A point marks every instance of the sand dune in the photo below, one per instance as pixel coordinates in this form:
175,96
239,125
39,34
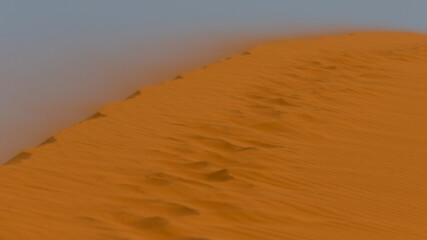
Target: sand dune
316,138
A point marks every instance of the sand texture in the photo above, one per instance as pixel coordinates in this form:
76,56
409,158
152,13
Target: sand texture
321,138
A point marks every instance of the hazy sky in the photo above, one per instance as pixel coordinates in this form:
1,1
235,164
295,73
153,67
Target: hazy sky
29,23
57,56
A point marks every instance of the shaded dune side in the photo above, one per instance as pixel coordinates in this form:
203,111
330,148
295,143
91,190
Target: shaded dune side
320,138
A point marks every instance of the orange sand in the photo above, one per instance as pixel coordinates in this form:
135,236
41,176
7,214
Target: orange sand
321,138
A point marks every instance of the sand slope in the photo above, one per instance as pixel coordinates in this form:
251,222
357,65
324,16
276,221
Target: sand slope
319,138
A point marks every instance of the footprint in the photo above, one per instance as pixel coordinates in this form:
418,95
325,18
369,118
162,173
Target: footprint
134,95
96,115
281,102
151,223
178,77
220,176
142,223
181,210
216,143
198,165
18,158
161,179
48,141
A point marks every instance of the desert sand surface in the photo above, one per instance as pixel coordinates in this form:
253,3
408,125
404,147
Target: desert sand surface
316,138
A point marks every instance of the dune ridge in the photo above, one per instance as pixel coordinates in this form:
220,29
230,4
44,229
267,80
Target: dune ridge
314,138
